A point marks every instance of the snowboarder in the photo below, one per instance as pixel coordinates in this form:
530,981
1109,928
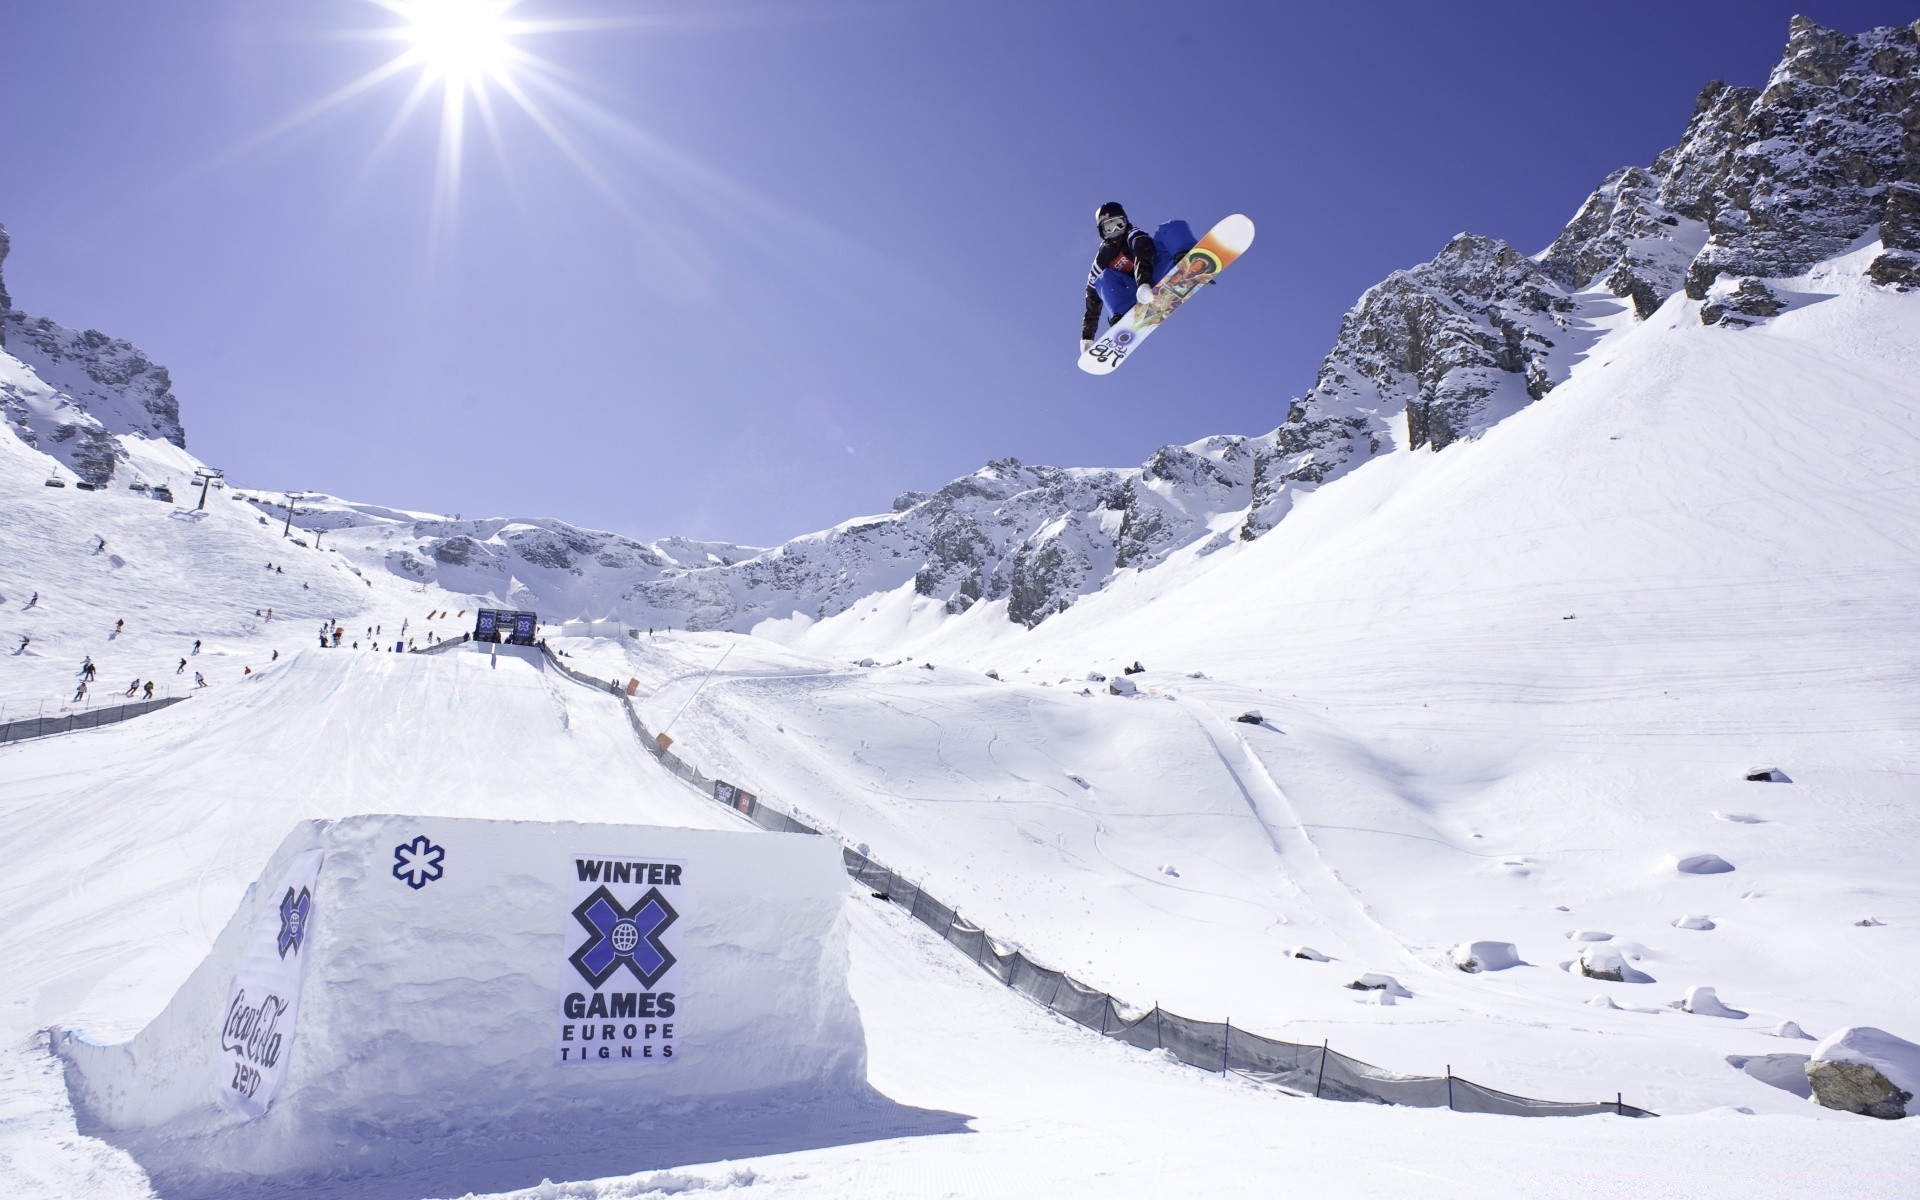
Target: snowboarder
80,693
196,645
183,666
1122,273
276,656
199,680
34,601
102,543
1127,264
149,692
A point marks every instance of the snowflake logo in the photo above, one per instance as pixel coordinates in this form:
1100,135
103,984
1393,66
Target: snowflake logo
417,863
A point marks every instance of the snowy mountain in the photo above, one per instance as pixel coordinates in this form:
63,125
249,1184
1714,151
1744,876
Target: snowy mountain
72,392
1761,184
1569,615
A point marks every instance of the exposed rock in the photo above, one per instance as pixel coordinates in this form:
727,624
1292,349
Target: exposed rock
1806,174
1120,685
1767,775
1251,717
1857,1088
1748,304
1308,953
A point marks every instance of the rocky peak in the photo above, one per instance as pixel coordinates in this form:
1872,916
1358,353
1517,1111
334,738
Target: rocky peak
1817,154
82,388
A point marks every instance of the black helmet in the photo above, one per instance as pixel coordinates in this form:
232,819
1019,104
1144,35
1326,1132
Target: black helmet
1105,216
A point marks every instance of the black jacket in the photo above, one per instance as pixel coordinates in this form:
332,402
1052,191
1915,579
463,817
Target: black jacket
1131,252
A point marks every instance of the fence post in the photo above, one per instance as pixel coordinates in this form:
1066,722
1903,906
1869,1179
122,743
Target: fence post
1619,1110
1158,1041
1106,1006
1226,1040
1055,993
1321,1077
1449,1087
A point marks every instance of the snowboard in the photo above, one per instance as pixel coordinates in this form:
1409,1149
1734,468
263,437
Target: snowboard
1225,242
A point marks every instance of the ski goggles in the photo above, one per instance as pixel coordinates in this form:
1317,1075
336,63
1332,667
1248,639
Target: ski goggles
1112,227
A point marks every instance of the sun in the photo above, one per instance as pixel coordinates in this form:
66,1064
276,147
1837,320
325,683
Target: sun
462,43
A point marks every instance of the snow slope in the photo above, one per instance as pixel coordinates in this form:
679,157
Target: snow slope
1507,689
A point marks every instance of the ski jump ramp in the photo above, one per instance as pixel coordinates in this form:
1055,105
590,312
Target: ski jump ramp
406,1004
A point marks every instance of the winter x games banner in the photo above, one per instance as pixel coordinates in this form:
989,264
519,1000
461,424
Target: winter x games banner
617,1001
263,1002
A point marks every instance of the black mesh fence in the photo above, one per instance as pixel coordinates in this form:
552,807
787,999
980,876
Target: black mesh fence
1301,1068
20,729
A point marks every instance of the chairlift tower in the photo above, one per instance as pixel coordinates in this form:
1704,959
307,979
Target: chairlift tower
204,476
292,499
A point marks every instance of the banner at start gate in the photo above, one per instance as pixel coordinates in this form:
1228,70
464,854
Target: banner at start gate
263,1001
618,985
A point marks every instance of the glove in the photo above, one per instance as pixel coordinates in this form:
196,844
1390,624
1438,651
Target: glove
1144,294
1086,344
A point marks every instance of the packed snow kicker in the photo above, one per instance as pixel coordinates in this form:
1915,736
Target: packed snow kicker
1534,704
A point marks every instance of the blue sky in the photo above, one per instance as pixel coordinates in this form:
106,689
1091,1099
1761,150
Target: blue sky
750,269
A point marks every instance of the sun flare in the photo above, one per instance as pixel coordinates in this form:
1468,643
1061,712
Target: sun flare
461,42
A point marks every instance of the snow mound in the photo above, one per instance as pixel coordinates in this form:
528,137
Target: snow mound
1693,921
1790,1029
444,992
1705,1002
1485,956
1702,864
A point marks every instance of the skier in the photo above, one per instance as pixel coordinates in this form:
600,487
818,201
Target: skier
196,645
149,692
102,543
24,642
80,693
120,626
134,686
34,601
276,656
199,680
86,667
1127,264
183,666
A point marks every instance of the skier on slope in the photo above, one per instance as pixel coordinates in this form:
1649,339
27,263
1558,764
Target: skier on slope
1127,264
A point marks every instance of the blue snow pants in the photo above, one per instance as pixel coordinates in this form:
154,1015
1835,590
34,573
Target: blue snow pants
1171,240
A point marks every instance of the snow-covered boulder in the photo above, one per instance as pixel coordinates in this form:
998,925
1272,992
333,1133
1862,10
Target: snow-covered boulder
1251,717
1484,956
1767,775
1120,685
1373,981
1865,1070
1608,963
1308,953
